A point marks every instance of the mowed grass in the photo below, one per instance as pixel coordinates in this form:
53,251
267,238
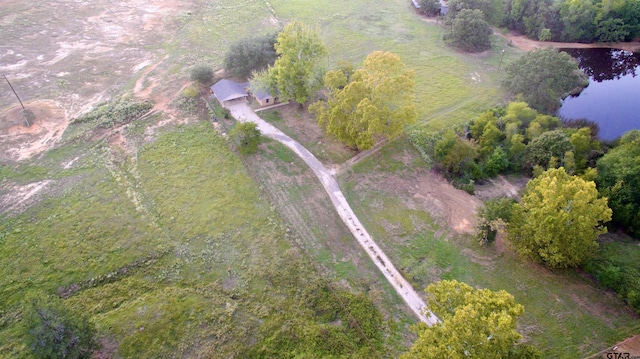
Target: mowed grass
451,86
566,314
172,252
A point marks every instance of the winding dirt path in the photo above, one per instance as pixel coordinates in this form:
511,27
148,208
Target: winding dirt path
243,113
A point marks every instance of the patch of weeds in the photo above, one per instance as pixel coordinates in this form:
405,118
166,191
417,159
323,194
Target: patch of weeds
271,116
188,100
118,111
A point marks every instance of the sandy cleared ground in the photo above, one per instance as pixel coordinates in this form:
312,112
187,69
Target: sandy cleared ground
62,65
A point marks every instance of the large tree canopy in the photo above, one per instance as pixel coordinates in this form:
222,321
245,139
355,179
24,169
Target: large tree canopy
297,72
376,100
619,179
544,77
251,54
559,219
476,323
469,31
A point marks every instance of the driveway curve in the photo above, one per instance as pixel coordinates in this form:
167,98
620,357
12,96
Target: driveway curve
243,113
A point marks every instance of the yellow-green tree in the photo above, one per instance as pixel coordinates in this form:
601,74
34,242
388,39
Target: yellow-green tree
297,73
375,101
476,323
559,219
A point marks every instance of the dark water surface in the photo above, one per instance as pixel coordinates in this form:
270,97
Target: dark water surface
612,99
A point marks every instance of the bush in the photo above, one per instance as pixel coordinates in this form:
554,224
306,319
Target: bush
616,267
202,73
246,136
54,331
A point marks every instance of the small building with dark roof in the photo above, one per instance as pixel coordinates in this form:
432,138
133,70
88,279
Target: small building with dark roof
228,90
265,98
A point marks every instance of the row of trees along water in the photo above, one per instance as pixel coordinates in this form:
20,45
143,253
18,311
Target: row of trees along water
551,20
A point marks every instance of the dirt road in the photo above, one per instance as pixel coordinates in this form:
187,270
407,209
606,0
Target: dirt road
243,113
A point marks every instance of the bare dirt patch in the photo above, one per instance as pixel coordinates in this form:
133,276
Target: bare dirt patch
20,141
526,44
501,186
440,198
15,198
76,62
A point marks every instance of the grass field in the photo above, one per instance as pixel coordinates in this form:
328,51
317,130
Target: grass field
175,247
450,87
172,252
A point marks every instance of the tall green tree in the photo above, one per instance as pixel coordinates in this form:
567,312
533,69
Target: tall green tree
375,101
476,323
544,77
619,179
469,31
297,73
251,54
558,219
53,331
429,7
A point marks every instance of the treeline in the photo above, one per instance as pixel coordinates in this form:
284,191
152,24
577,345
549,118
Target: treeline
563,20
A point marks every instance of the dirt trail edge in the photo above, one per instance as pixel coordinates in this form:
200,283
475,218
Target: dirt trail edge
243,113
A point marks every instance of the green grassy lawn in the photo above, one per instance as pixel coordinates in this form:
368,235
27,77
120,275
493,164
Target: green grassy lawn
566,314
451,86
172,252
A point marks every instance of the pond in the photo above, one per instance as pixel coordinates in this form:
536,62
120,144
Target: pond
612,99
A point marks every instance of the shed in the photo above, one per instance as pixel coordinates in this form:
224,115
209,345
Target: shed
227,90
265,98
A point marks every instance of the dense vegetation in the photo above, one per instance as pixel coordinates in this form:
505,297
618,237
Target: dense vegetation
571,21
564,20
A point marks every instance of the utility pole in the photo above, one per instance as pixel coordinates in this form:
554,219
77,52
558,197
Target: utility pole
18,97
502,57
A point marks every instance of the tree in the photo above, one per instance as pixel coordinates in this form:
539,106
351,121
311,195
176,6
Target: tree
544,77
469,31
251,54
550,144
54,331
619,179
202,73
246,136
558,220
454,155
376,100
476,323
494,215
297,73
429,7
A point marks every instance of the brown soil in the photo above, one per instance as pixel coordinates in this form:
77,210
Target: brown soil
526,44
74,63
20,141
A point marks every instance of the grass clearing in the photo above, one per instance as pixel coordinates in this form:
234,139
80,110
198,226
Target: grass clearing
566,315
171,252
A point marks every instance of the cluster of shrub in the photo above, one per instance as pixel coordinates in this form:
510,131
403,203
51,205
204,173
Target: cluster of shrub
518,139
515,138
